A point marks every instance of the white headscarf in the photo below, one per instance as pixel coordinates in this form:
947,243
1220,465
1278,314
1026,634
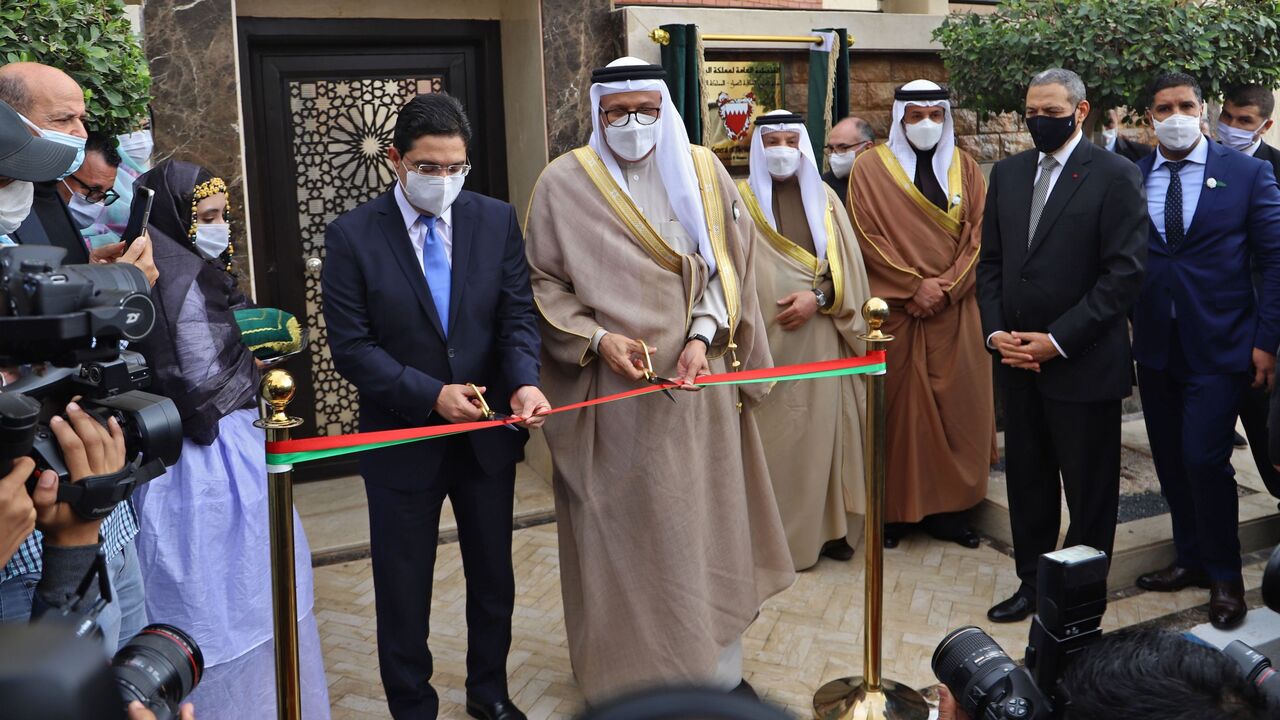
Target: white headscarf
942,152
672,153
813,191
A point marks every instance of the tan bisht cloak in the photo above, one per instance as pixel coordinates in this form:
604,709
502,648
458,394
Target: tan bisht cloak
670,539
812,431
941,417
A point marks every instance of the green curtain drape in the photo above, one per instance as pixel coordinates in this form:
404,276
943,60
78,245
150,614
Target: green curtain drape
682,59
828,88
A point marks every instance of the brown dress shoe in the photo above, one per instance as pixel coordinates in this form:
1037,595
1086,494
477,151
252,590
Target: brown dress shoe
1226,603
1173,579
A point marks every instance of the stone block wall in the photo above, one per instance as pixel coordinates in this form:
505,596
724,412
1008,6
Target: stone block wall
874,76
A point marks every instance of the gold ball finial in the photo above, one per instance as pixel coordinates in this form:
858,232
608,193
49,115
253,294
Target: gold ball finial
876,312
660,36
277,390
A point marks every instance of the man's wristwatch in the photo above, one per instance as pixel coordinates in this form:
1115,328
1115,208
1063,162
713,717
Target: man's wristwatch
822,297
705,340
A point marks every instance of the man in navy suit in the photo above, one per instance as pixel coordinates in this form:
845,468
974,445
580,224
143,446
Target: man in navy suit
426,293
1200,337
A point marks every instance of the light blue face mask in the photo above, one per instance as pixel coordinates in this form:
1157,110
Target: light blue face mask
62,139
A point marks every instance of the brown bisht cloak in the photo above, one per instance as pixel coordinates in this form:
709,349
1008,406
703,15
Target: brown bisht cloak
812,431
670,539
941,416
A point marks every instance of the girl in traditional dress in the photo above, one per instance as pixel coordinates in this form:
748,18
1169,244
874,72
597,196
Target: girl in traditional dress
203,544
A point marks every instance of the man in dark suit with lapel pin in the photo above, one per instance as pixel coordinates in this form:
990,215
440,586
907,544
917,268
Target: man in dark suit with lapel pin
1245,118
1200,336
1063,250
426,290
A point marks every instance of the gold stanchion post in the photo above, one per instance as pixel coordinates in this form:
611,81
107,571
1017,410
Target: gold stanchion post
277,391
871,697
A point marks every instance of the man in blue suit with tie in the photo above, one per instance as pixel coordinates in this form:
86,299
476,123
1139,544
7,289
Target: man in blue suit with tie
428,308
1200,337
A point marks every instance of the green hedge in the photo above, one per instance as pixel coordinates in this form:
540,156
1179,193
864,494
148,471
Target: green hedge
93,42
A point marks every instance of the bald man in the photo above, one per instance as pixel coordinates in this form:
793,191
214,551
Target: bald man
847,138
52,104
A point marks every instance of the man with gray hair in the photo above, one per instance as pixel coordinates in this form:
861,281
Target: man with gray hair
1063,252
846,139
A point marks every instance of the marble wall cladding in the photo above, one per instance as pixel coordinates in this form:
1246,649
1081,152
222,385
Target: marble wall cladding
191,48
577,36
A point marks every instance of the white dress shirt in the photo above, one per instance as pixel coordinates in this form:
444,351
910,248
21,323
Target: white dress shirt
1062,154
1191,178
418,231
644,183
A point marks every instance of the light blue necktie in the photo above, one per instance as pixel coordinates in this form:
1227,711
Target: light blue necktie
435,266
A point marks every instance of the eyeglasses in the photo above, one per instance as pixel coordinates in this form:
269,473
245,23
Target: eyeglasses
845,147
460,170
95,194
643,116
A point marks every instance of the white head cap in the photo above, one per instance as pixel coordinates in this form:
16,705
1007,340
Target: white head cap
672,153
813,191
929,94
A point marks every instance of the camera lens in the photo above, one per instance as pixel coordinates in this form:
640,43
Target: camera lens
159,667
971,665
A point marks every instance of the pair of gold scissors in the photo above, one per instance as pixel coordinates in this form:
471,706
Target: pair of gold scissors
485,410
651,377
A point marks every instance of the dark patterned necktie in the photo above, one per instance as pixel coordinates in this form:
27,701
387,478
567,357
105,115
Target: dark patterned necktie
1174,232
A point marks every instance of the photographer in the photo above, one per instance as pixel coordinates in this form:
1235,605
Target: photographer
1143,674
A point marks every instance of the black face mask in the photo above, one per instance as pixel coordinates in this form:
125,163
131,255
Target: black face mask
1051,133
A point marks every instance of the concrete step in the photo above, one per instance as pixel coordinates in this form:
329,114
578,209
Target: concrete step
1145,544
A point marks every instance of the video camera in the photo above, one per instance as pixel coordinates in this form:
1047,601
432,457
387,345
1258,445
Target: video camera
1071,597
74,319
53,669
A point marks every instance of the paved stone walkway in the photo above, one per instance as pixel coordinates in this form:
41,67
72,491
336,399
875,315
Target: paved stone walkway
805,636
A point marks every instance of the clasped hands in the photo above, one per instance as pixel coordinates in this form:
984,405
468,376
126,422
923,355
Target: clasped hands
461,403
626,357
929,300
1024,350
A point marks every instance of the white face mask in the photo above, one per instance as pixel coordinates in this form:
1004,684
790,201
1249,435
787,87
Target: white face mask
432,193
138,145
632,141
1109,135
1178,132
841,163
212,240
1235,138
15,205
783,161
925,134
85,213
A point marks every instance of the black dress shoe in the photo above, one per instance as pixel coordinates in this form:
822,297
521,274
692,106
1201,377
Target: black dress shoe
745,690
1015,609
890,541
1226,603
501,710
1173,579
1238,440
965,538
838,549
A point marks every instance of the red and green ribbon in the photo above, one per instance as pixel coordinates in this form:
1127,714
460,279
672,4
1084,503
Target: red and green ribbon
293,452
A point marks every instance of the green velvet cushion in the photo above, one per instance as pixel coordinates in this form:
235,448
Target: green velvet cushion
269,332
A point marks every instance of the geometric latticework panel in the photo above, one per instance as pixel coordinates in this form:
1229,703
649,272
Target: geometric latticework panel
341,132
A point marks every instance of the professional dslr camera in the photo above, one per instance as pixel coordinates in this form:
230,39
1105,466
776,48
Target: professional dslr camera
53,669
1070,601
73,319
